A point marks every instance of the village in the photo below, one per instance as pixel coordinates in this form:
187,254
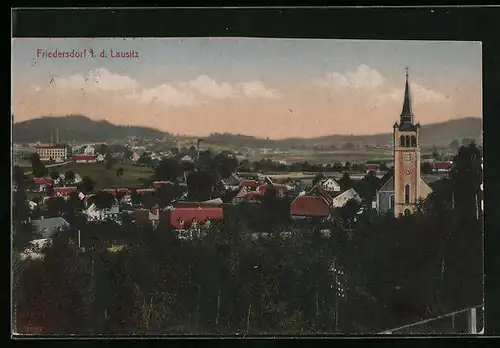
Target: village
247,187
312,195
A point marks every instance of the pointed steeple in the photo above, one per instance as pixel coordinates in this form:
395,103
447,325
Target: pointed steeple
406,117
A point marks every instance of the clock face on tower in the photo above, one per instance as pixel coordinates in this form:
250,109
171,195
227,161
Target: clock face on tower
407,157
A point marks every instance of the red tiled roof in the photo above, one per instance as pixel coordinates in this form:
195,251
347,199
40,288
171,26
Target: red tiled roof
64,190
111,191
83,157
141,192
320,190
157,184
372,167
250,183
124,190
46,181
181,216
310,206
443,165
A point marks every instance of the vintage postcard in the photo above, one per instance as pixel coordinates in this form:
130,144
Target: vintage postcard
245,187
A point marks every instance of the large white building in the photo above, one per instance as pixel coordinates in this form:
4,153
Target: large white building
58,153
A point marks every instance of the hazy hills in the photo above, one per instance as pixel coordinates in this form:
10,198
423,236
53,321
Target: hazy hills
438,134
77,127
82,129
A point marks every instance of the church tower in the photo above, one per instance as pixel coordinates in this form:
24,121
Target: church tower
407,179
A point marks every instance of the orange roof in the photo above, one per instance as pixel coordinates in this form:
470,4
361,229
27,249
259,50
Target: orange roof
179,217
310,206
47,181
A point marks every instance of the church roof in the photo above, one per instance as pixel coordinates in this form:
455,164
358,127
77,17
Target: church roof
387,176
406,117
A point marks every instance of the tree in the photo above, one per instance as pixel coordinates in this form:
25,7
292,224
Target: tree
128,153
39,169
56,206
134,197
426,168
69,176
166,194
455,144
348,146
103,200
467,141
168,169
435,153
125,311
87,185
466,175
318,178
345,182
57,301
109,161
19,178
54,175
119,173
102,149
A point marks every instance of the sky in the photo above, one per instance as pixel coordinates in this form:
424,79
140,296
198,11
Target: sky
274,88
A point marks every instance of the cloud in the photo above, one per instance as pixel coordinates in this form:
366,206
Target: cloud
419,93
207,86
256,89
363,77
98,80
200,89
165,94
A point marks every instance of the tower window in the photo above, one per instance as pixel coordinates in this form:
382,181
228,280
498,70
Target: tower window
408,144
407,194
402,141
413,141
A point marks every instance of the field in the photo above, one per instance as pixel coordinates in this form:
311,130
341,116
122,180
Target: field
320,157
133,176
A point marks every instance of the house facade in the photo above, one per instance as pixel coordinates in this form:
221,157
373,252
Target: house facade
94,213
84,158
43,183
403,186
58,153
319,203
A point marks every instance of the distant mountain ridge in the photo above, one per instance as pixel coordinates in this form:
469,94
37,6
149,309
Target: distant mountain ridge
81,128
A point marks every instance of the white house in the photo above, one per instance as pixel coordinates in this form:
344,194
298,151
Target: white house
135,156
34,250
89,150
340,200
331,185
187,159
32,205
95,214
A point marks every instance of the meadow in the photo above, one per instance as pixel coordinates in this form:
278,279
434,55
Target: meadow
331,156
133,176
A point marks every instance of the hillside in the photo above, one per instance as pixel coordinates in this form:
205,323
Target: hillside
78,128
82,129
439,134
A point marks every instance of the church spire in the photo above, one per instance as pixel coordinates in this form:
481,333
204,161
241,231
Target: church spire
407,113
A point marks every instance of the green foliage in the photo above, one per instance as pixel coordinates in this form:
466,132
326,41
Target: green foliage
38,168
86,185
259,272
426,168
